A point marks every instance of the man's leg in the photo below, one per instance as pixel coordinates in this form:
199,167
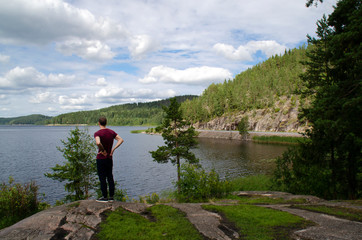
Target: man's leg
102,174
110,178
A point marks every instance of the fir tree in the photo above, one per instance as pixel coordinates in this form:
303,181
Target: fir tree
178,136
79,171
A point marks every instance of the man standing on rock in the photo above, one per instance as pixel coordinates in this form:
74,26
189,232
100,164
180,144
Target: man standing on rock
104,140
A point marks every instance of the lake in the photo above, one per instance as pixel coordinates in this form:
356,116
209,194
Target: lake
27,152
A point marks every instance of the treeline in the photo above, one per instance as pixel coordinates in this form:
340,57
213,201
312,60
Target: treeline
256,88
36,119
149,113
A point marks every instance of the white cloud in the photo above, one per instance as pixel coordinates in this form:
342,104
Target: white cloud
29,77
44,97
101,82
196,75
140,45
90,50
4,58
120,95
42,22
74,101
246,52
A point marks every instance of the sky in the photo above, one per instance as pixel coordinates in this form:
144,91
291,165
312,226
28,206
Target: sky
60,56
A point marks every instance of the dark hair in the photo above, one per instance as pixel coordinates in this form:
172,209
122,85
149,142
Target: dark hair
102,121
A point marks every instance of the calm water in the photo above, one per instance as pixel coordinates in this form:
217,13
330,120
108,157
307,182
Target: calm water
27,152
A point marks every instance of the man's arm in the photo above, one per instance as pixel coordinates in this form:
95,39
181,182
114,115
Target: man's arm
119,142
100,146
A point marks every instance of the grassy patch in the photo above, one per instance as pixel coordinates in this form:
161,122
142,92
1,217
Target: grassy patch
252,183
265,200
260,223
341,212
137,131
279,139
169,224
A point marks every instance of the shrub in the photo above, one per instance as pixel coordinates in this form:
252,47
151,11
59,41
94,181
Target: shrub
196,184
18,201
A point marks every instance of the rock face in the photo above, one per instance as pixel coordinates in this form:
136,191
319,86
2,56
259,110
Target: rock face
78,220
282,117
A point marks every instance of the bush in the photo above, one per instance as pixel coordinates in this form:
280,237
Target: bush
18,201
197,185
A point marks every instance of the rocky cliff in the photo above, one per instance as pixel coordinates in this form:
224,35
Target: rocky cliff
282,117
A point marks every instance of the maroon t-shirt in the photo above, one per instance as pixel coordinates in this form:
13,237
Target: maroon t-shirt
107,136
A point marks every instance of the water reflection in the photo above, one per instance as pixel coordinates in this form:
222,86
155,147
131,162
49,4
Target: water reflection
232,158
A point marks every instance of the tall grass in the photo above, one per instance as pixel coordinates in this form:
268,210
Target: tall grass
18,201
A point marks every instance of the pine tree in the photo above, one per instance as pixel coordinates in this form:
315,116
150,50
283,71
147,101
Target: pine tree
79,171
330,164
178,136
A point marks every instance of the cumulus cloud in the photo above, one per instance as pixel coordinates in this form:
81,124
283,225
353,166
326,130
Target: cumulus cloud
75,30
101,82
42,22
246,52
87,49
74,102
118,95
4,58
29,77
196,75
44,97
140,45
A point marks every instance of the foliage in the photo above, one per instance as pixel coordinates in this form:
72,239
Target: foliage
178,136
79,171
18,201
31,119
169,224
333,81
151,199
196,184
131,114
243,126
258,87
260,223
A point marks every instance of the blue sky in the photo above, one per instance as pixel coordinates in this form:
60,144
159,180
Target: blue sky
63,56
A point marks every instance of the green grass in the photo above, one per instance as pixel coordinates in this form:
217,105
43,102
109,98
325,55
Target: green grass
252,183
260,223
278,139
341,212
260,200
137,131
169,224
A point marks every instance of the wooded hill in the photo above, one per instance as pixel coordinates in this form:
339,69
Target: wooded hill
131,114
259,87
31,119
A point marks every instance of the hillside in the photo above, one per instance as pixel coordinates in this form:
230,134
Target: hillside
149,113
266,94
31,119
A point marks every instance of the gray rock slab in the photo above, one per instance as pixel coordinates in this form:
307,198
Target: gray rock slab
328,227
207,223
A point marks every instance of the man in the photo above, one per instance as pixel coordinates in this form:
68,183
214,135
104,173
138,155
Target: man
104,140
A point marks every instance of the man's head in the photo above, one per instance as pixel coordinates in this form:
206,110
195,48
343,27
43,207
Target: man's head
102,121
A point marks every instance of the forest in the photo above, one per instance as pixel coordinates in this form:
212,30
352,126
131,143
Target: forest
131,114
258,87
